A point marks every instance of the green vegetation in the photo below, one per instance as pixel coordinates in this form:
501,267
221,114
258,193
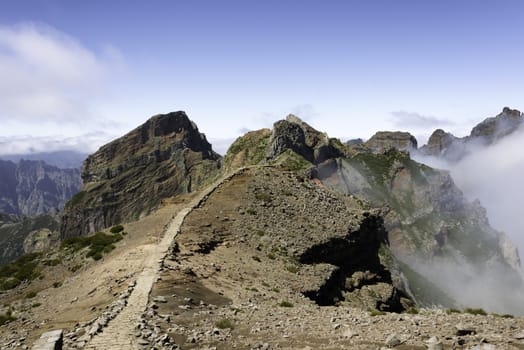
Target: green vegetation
52,262
77,198
263,197
412,311
376,313
20,270
6,318
252,145
251,211
291,161
502,316
286,304
116,229
225,323
292,268
260,233
271,256
98,244
36,305
452,311
30,295
276,290
475,311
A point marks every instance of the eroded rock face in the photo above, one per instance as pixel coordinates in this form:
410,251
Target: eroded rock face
295,135
430,223
385,140
32,188
128,177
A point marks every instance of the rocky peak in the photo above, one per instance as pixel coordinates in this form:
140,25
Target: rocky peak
154,141
489,131
131,175
384,140
492,129
296,135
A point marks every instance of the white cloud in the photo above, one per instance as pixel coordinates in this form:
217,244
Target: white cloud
87,143
494,175
48,76
403,119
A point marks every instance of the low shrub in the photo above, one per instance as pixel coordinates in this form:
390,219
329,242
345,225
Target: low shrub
286,304
225,323
23,269
6,318
116,229
30,295
475,311
98,244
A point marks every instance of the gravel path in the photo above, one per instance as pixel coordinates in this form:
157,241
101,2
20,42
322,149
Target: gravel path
119,334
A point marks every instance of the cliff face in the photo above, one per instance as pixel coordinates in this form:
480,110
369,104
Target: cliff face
32,188
431,226
128,177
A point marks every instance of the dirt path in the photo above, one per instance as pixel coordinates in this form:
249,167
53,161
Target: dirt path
119,333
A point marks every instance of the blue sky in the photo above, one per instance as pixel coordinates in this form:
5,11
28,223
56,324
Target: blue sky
75,74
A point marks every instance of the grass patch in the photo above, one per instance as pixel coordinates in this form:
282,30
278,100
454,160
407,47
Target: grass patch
98,244
263,197
475,311
6,318
224,324
412,311
77,198
260,233
502,316
271,256
52,262
251,211
453,311
76,268
30,295
276,290
18,271
286,303
376,313
116,229
292,268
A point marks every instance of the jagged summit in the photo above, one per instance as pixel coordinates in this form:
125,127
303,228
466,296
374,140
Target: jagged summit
126,178
490,130
399,140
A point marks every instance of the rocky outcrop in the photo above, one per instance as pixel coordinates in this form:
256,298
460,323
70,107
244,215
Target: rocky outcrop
32,188
292,134
444,145
130,176
19,235
492,129
385,140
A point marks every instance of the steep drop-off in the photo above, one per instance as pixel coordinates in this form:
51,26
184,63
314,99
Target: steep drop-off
32,188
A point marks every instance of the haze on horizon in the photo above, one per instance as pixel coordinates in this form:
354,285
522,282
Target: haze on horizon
74,75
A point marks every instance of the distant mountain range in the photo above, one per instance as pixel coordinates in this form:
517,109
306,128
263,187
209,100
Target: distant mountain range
59,159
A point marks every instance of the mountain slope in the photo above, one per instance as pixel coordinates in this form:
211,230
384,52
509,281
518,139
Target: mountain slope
127,178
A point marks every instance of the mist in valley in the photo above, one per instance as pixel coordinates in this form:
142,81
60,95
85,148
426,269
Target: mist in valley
494,175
